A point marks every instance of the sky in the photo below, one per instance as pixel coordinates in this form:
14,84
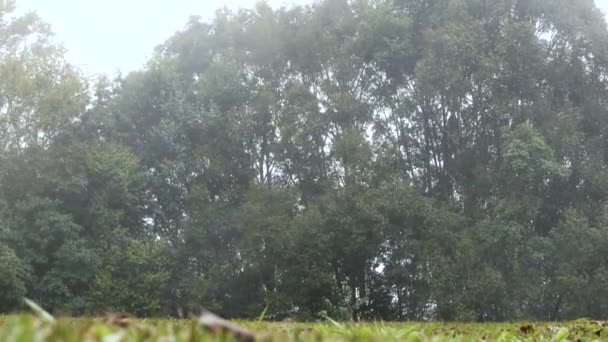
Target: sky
103,36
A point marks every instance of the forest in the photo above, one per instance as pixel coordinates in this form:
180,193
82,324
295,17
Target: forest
359,160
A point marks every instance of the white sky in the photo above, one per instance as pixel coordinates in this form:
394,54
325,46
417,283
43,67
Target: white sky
103,36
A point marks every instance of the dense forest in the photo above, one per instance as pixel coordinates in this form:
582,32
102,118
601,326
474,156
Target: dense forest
364,159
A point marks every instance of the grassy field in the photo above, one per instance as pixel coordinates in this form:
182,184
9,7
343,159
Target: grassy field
28,328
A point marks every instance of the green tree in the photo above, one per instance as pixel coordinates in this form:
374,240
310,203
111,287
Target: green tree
12,286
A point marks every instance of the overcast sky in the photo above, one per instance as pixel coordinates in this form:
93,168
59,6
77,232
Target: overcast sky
103,36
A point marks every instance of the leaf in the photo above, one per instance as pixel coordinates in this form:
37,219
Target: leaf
219,326
45,316
561,335
262,315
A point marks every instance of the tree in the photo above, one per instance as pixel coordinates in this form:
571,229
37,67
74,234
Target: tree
12,286
372,159
41,93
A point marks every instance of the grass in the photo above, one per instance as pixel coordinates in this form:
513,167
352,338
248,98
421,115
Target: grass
26,328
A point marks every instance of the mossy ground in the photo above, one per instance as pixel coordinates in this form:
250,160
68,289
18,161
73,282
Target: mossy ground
26,328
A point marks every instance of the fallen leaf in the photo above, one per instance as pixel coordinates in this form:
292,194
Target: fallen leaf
218,325
526,329
121,320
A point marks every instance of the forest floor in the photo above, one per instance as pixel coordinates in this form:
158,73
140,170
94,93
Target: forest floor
27,328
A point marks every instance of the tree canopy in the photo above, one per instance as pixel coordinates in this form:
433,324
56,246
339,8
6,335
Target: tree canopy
364,159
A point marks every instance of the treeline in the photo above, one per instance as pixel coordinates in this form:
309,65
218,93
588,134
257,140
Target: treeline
393,159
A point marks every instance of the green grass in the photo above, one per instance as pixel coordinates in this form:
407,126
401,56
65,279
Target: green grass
26,328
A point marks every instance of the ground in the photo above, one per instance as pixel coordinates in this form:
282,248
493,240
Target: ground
25,328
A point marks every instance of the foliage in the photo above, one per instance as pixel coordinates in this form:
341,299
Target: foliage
26,328
11,286
358,160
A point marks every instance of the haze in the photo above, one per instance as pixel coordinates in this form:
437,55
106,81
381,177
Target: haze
137,26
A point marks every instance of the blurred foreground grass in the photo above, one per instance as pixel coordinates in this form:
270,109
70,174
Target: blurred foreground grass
26,328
